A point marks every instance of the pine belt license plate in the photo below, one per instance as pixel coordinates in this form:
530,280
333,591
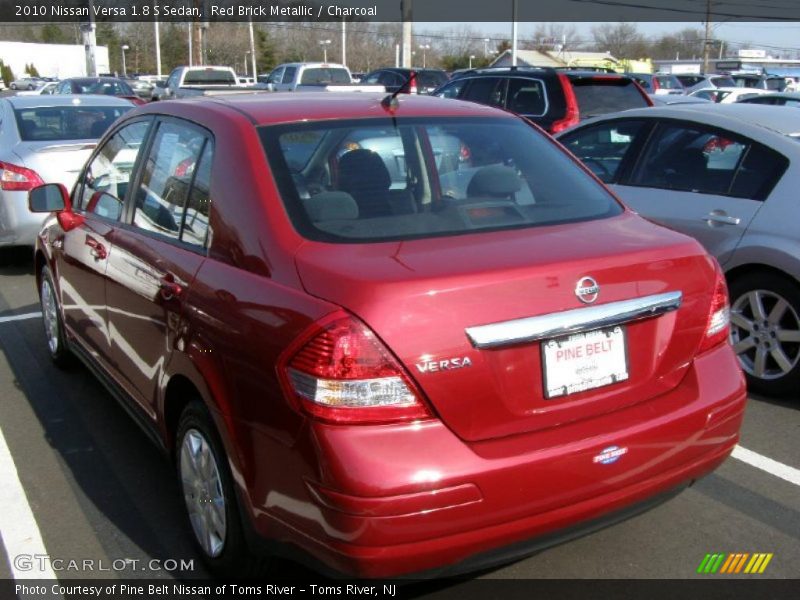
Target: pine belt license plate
584,361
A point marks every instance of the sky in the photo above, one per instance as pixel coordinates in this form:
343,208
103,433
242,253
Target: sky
771,36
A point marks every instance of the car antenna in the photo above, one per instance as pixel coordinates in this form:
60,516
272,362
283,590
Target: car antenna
391,102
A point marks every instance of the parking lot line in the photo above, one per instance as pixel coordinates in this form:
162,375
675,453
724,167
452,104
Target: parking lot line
20,533
33,315
773,467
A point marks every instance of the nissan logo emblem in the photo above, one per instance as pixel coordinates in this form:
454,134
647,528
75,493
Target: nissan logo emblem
587,290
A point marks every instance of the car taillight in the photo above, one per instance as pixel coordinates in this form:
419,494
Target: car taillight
571,115
18,179
656,85
412,84
719,316
339,371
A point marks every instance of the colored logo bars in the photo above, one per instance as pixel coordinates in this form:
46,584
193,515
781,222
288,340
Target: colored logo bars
734,563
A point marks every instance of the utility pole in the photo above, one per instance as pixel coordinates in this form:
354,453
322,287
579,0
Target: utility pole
407,16
90,43
253,51
158,48
344,42
707,40
513,33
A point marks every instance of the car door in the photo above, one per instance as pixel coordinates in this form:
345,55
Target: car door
157,255
84,252
686,178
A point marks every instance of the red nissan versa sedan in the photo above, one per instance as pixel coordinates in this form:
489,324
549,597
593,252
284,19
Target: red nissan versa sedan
405,337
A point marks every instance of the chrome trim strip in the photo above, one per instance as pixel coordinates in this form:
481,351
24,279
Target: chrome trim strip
531,329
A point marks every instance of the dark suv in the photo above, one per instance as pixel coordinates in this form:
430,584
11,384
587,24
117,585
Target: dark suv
393,78
553,99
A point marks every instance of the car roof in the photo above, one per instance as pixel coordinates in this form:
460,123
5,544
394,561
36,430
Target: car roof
264,108
44,101
787,95
95,79
745,118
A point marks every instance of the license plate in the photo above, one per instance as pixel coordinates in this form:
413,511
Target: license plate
584,361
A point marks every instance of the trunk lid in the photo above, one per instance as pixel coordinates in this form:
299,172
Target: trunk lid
421,296
54,161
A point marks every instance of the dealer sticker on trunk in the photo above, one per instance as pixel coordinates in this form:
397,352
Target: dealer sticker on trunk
584,361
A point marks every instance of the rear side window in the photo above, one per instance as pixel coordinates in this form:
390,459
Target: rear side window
453,89
760,170
168,173
381,179
66,122
690,159
598,96
527,97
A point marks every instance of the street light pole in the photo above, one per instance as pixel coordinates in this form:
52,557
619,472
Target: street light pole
424,48
246,54
486,47
124,69
325,44
471,57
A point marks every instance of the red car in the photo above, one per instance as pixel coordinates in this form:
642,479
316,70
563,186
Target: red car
402,335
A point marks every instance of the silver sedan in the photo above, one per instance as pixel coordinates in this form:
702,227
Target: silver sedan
45,139
727,175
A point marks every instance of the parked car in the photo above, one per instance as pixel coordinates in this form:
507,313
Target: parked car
727,95
424,81
658,83
207,80
26,83
726,174
159,91
44,139
553,99
315,77
366,371
775,99
141,87
104,86
47,89
772,83
669,99
693,82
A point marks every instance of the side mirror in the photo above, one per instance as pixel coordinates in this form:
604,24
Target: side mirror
51,197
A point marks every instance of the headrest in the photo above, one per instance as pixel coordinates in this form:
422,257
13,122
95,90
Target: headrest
494,181
329,206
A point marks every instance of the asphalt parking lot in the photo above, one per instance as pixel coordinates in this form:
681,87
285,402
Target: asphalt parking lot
98,490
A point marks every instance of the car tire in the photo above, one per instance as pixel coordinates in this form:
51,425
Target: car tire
31,87
53,323
13,86
209,498
765,331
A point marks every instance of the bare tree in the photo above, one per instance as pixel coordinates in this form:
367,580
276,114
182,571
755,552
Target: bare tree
621,40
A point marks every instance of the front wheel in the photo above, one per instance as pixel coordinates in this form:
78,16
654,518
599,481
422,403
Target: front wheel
207,488
765,332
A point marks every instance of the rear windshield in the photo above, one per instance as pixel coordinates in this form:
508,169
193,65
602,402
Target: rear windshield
209,77
724,81
325,76
601,96
668,82
66,122
374,180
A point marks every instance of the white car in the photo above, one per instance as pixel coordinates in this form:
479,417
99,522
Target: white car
727,95
47,89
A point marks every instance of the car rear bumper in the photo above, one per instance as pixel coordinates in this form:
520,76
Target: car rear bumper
383,501
18,225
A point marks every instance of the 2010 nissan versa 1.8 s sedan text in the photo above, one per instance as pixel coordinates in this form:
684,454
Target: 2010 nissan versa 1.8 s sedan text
405,335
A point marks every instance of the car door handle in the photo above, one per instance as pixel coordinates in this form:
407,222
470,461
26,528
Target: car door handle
721,218
170,289
97,249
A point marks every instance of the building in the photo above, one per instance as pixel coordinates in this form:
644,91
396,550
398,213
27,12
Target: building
51,60
552,58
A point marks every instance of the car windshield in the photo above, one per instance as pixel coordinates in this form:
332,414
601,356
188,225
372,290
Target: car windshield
381,179
324,76
66,122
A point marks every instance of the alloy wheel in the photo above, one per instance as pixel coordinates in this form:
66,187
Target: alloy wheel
50,315
203,493
765,333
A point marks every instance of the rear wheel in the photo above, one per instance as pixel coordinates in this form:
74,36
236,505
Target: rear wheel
13,86
209,497
51,316
765,331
